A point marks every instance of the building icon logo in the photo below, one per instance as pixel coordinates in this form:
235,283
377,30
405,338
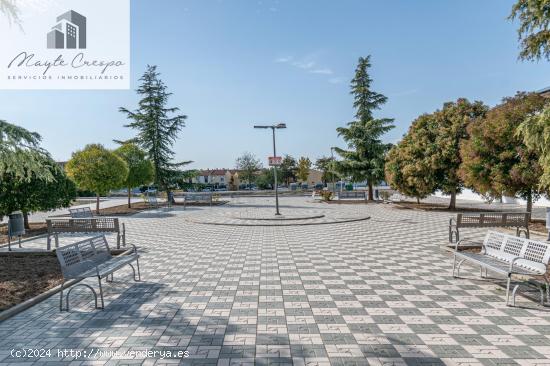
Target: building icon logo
70,31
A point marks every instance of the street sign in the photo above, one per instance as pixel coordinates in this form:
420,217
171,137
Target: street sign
275,160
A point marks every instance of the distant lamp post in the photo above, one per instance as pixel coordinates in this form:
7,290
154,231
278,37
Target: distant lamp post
273,128
332,163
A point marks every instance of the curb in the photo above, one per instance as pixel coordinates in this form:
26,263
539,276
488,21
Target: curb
14,310
342,221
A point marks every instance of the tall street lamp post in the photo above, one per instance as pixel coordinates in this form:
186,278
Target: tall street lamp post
332,172
273,128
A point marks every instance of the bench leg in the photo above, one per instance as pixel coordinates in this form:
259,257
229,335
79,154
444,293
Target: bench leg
508,288
61,297
513,296
134,270
100,293
453,234
458,268
69,293
547,289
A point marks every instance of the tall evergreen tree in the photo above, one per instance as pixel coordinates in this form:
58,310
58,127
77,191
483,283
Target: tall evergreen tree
364,158
158,127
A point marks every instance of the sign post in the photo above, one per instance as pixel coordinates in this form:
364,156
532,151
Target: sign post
274,161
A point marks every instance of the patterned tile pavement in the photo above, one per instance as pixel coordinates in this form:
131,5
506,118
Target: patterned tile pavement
374,292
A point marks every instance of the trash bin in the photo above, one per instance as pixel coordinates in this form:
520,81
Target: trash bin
16,227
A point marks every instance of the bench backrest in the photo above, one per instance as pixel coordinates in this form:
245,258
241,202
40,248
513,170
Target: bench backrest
198,197
492,219
81,212
351,194
97,224
535,255
82,256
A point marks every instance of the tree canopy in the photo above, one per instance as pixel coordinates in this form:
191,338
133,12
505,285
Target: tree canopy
36,194
303,167
364,158
158,127
97,169
288,169
535,133
451,123
140,169
534,28
409,164
21,156
248,166
495,159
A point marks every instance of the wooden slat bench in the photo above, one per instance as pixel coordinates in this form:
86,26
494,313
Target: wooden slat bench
89,225
508,255
92,258
519,220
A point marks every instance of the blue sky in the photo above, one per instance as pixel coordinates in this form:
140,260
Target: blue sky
234,63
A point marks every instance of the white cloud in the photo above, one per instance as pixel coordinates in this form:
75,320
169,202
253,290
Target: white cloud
323,71
283,60
310,65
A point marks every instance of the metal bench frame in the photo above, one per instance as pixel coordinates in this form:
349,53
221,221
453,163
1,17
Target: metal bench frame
92,258
351,194
508,255
88,225
152,201
197,197
81,212
519,220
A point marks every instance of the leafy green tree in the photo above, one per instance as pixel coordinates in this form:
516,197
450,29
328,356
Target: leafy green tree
36,194
97,169
534,28
408,164
496,161
303,167
535,133
366,152
264,180
248,165
288,169
326,166
140,169
21,156
158,127
452,123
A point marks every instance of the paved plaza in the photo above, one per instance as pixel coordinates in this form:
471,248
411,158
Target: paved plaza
376,291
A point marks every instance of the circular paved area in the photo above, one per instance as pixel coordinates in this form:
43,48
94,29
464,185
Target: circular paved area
265,216
372,292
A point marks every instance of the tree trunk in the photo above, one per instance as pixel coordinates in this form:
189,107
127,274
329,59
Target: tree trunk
530,202
97,204
371,195
129,198
452,204
418,200
26,220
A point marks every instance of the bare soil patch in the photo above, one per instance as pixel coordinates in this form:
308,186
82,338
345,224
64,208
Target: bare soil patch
436,207
25,275
36,229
